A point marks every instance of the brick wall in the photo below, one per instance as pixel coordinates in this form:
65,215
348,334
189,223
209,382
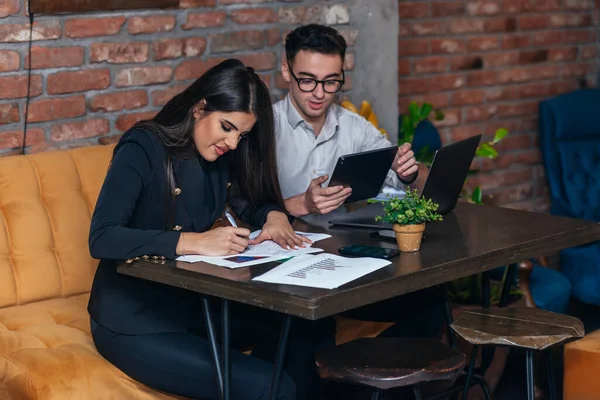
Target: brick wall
94,75
487,64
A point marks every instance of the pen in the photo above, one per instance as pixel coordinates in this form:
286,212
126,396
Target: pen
230,219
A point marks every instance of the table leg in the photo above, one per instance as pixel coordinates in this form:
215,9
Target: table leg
210,330
225,351
280,358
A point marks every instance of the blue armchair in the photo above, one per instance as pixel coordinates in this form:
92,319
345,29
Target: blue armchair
570,143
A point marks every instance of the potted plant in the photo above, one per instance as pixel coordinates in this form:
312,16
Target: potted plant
409,216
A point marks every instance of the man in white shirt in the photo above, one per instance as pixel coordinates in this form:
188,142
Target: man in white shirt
312,131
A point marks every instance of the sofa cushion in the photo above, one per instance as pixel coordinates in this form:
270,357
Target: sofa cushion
47,353
46,203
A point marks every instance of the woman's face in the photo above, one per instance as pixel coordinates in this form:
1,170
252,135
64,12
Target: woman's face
218,132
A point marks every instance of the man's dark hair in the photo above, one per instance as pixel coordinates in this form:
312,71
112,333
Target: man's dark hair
317,38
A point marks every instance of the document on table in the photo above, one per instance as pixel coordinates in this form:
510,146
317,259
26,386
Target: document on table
325,271
264,252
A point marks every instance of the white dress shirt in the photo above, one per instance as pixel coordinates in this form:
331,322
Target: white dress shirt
302,156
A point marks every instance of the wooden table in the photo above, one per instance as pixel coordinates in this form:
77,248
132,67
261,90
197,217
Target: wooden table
471,239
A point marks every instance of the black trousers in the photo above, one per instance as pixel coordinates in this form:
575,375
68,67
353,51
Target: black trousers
181,363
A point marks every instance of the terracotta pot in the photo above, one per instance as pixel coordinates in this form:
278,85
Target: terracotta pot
409,237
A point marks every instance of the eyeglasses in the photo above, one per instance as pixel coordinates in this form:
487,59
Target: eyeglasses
310,84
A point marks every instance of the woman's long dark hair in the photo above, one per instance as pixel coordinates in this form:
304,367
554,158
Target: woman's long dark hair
227,87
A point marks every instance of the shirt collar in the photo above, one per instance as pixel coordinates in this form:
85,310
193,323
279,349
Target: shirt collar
294,118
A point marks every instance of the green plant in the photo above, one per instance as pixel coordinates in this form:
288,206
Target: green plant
416,114
412,209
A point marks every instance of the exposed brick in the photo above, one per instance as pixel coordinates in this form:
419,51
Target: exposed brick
140,76
533,56
167,48
14,139
273,36
467,97
510,42
562,54
292,16
503,93
547,38
448,46
112,139
570,20
335,14
529,157
448,8
464,131
534,22
430,64
482,78
512,142
436,83
533,90
502,178
55,57
466,63
119,101
226,2
413,47
576,70
43,30
254,16
204,20
483,43
437,100
79,130
451,118
160,97
119,53
540,5
192,69
56,108
563,87
504,24
266,79
194,46
151,24
9,61
126,121
428,28
90,27
483,7
403,67
9,113
78,81
15,87
198,3
349,35
464,25
578,36
479,114
237,41
589,52
9,7
542,71
409,9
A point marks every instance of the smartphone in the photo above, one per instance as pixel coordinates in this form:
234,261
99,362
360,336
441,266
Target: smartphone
388,236
368,251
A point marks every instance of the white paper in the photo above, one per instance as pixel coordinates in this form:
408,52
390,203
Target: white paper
314,237
261,253
326,271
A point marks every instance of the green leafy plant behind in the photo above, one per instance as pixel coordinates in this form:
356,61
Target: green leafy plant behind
412,209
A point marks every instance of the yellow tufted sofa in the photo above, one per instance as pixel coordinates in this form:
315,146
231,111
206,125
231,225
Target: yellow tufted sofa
46,351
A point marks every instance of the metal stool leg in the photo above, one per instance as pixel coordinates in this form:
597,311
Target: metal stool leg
550,374
470,371
280,357
483,384
417,392
210,330
529,365
377,395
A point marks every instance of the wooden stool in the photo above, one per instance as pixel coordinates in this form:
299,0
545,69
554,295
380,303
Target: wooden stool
528,328
385,363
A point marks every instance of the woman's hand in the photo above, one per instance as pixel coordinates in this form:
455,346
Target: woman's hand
216,242
278,229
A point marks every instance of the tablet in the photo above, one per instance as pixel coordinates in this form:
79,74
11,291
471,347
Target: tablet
364,172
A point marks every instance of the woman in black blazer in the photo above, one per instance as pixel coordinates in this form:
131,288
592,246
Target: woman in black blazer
168,182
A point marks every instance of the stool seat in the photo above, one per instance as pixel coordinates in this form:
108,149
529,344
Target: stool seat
529,328
386,363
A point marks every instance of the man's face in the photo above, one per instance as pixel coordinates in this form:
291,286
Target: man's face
308,65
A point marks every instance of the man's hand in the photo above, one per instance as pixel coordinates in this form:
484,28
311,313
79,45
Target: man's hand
319,200
405,164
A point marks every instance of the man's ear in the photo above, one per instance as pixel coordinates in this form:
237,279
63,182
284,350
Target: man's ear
285,72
